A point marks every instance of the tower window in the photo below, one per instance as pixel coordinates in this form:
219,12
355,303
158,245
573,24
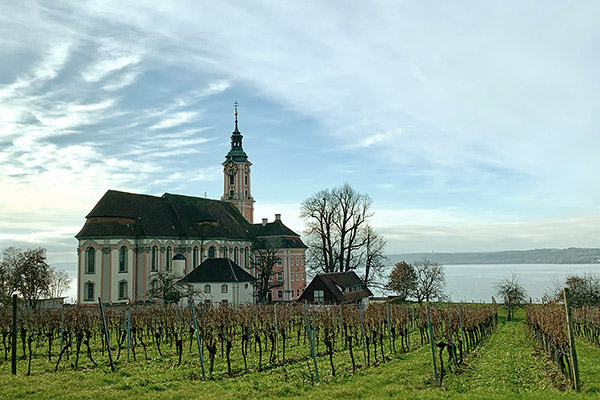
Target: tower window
154,258
231,181
122,290
169,258
231,193
89,291
123,259
90,261
246,179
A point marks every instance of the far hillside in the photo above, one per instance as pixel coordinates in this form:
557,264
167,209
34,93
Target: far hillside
571,255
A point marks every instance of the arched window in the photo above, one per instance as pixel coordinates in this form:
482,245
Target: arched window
154,264
195,257
231,181
89,291
169,262
206,288
211,252
224,251
90,265
123,259
123,290
235,255
224,288
246,258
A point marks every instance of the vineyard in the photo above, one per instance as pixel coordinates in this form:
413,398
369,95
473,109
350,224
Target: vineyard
293,344
227,341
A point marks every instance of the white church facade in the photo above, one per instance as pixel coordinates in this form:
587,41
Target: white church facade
128,236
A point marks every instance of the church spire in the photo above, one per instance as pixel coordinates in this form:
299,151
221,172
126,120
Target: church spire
236,153
235,105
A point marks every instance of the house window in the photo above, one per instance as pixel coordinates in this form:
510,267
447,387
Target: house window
195,257
123,259
297,292
206,301
303,275
297,276
280,294
90,261
224,301
235,255
211,252
122,290
169,258
89,291
246,257
280,276
292,277
279,262
224,288
224,252
270,278
319,296
297,261
154,258
302,260
206,288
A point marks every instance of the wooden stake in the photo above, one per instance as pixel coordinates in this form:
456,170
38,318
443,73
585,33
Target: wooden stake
112,366
198,338
13,360
311,339
571,341
435,373
389,331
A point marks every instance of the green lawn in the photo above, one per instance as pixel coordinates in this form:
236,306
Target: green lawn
506,366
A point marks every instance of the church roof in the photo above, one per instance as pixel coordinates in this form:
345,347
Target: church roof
123,214
218,270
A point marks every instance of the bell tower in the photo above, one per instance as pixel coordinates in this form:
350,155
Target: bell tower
236,175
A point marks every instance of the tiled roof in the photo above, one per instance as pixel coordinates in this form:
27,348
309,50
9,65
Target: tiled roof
344,280
218,270
122,214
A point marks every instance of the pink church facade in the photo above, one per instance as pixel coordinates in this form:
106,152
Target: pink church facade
127,237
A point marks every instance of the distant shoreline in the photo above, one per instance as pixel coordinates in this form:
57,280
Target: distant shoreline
571,255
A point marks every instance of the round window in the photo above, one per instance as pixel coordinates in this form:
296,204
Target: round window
246,286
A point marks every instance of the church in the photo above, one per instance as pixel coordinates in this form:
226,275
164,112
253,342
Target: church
127,237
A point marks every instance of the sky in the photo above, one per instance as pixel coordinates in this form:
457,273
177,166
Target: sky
474,126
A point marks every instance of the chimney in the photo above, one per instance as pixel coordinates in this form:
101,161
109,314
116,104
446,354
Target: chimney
277,217
264,223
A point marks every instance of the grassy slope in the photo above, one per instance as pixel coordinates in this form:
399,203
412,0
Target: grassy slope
505,367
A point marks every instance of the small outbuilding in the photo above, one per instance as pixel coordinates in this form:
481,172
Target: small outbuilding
336,288
220,280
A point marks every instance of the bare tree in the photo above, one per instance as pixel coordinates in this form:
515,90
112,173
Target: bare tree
431,281
166,286
60,282
403,280
513,294
263,261
336,221
374,257
32,276
584,290
8,263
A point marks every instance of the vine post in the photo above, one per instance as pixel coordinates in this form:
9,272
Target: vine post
311,339
408,329
571,340
389,332
276,332
62,325
462,332
362,332
13,359
112,366
128,331
432,342
197,337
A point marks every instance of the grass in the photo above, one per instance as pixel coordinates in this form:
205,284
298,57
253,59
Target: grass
506,366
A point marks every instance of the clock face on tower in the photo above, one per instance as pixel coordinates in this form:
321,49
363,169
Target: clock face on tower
230,168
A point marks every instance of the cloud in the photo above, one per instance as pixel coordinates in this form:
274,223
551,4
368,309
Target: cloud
175,120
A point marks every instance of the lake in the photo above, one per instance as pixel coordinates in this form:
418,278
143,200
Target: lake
476,282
